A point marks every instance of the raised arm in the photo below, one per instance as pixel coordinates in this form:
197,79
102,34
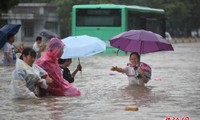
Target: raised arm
118,69
78,68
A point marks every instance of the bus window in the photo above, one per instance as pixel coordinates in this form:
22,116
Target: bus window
143,23
154,25
136,21
98,17
146,21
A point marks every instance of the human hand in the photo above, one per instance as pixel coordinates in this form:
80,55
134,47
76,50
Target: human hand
35,97
140,71
48,80
114,68
43,84
79,67
11,64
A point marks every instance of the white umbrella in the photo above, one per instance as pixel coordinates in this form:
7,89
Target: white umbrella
82,46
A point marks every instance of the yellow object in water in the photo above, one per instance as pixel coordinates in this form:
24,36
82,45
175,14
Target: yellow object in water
131,108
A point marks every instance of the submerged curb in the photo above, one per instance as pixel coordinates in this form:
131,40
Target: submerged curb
184,40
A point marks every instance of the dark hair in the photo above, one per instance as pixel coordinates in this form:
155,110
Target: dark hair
135,53
28,51
9,36
61,61
38,38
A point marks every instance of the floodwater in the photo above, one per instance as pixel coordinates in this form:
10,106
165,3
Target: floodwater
105,94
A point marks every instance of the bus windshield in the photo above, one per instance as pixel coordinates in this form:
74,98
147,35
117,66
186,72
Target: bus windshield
98,17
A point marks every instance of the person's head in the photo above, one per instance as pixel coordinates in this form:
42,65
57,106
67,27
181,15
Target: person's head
11,38
28,56
134,58
55,47
38,39
65,62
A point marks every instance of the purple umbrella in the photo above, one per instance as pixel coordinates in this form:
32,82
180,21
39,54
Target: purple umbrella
140,41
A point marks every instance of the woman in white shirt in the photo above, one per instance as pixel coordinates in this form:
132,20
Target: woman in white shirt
138,73
27,76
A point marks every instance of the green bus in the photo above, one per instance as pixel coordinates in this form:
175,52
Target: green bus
107,20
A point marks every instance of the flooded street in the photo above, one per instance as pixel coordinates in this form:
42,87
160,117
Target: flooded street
105,94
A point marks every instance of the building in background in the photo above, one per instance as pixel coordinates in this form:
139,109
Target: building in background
34,17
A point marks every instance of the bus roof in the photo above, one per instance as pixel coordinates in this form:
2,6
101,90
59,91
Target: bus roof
129,7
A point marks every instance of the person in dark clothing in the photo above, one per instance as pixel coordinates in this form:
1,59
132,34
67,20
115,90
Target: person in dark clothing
64,63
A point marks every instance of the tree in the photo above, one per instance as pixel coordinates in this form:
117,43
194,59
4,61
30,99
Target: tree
64,8
194,15
7,4
36,1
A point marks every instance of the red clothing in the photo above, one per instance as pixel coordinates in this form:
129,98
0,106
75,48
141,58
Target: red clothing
49,62
21,49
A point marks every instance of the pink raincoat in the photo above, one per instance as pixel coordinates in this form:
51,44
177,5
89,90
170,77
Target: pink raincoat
49,62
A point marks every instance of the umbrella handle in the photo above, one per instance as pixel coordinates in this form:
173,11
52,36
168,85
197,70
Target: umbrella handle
79,64
79,61
118,51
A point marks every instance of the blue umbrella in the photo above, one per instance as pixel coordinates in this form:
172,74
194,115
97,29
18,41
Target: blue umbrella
6,30
82,46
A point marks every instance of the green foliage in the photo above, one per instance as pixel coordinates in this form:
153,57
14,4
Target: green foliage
64,11
194,15
36,1
7,4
